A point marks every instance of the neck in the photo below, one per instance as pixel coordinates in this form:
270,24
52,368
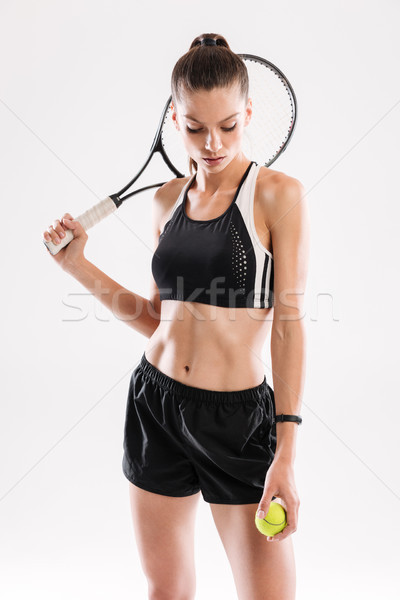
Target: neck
209,183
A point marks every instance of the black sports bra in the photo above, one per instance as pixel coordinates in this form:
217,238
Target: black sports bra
220,261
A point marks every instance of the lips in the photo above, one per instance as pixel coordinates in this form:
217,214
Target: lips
214,161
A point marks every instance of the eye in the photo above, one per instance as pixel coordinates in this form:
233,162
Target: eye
192,130
229,128
197,130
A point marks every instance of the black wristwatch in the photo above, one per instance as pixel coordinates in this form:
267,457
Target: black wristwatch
294,418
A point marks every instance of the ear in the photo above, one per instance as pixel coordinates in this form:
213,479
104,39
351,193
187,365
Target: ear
248,112
174,116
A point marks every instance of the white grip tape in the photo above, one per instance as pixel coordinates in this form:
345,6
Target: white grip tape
90,217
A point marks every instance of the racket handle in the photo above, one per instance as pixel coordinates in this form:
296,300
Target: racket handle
91,217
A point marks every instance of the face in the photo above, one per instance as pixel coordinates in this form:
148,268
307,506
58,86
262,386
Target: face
211,124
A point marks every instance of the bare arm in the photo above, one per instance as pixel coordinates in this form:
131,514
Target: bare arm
140,313
134,310
290,241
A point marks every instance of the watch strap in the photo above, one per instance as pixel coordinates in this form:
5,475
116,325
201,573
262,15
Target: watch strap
295,418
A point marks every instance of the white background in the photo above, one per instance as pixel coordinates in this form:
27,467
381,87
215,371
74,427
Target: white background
81,90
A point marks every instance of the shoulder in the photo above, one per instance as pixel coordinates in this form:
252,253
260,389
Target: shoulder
165,198
169,192
278,193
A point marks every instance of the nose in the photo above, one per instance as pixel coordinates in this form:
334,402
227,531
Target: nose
213,143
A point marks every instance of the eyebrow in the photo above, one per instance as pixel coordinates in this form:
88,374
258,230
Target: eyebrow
223,120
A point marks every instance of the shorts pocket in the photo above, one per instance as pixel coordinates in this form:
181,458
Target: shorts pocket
268,407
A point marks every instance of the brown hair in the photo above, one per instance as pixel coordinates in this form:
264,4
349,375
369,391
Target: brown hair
205,67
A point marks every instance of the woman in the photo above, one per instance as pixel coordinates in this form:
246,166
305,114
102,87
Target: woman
231,243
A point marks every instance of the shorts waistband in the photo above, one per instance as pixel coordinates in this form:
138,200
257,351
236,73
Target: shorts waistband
195,393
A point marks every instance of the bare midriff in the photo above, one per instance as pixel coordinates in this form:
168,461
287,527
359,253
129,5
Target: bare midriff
211,347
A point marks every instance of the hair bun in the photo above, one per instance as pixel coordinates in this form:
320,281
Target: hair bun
210,39
207,41
222,42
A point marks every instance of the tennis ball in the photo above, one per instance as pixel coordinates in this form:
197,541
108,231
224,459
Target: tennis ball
274,521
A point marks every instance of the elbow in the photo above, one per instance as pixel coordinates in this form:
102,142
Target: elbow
284,331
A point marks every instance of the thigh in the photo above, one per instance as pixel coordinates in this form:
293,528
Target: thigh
262,570
164,530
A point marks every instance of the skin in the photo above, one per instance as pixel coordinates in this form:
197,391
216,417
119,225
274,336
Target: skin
187,340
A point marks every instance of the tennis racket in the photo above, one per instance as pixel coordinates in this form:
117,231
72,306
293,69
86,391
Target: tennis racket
264,139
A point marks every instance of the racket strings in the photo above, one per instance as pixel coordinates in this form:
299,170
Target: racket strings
273,113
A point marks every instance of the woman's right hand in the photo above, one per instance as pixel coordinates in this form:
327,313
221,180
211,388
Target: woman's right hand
70,256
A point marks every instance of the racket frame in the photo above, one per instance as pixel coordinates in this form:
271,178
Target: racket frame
105,207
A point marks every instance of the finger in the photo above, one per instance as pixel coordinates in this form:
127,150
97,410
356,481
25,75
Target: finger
77,227
54,235
59,228
70,223
278,537
291,524
74,225
263,506
291,518
282,535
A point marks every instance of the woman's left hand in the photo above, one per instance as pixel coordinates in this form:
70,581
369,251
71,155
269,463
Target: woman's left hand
280,482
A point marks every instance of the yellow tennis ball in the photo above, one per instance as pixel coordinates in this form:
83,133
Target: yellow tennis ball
274,521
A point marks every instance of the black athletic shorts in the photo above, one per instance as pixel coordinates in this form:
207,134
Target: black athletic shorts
179,439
